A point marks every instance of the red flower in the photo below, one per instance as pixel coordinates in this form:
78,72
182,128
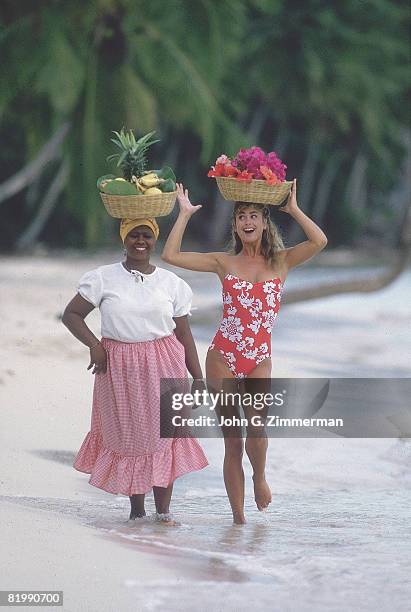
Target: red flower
245,176
223,170
217,170
231,171
268,174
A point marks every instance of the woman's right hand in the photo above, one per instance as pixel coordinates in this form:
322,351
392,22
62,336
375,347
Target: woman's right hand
98,360
186,208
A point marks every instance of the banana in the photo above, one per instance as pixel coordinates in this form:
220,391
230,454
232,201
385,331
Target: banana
151,180
152,191
141,186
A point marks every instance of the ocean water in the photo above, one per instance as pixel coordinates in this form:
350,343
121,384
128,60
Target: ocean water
311,551
336,536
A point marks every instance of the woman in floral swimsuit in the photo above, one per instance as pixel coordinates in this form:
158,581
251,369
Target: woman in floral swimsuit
244,335
252,279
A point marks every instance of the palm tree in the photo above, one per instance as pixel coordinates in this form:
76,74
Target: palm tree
324,86
101,65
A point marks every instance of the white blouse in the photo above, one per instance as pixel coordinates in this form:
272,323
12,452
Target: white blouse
136,307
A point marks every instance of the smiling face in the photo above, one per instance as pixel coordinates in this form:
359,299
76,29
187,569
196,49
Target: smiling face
249,224
140,242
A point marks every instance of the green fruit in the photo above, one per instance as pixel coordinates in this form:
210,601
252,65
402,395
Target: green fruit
120,188
168,186
165,173
106,177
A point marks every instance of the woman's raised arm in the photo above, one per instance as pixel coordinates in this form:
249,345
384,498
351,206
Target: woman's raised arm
201,262
317,240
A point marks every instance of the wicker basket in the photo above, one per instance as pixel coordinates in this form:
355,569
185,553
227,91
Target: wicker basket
256,191
139,206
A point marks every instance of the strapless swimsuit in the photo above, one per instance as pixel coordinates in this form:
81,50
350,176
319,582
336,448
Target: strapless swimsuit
249,312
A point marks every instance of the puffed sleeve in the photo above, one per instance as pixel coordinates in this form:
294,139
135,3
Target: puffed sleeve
90,287
182,299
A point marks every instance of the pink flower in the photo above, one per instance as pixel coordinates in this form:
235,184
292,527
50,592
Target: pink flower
223,159
251,163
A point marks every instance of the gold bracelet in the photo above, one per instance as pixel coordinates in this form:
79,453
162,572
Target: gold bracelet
94,345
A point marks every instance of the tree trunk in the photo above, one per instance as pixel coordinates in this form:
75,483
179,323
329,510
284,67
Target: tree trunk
281,141
305,187
31,234
35,167
324,188
355,194
399,198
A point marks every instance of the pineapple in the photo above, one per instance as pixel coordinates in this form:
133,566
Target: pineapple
132,158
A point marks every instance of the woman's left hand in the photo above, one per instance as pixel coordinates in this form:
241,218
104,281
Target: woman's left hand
291,205
98,359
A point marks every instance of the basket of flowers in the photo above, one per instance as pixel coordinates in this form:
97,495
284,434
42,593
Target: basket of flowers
252,176
141,192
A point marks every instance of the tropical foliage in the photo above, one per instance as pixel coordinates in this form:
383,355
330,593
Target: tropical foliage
322,84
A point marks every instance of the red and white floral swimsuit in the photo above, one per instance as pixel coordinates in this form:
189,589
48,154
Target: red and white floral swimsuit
244,335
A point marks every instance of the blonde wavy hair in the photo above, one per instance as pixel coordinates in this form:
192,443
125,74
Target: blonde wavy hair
271,242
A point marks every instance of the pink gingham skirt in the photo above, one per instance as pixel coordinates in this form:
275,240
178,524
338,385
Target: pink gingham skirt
123,450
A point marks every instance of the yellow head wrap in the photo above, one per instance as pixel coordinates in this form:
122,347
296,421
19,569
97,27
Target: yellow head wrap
127,225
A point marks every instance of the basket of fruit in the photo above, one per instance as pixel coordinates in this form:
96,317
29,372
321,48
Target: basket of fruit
141,192
252,176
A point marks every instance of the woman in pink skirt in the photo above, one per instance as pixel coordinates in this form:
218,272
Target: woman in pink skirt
145,337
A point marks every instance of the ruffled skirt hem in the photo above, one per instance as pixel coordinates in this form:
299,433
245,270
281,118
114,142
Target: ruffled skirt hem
133,475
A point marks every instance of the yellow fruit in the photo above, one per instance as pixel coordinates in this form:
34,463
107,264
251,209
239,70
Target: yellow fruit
152,191
150,180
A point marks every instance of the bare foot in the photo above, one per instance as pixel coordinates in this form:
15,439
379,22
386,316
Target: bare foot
166,520
262,493
134,517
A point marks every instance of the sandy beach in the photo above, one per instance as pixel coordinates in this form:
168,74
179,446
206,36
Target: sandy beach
340,513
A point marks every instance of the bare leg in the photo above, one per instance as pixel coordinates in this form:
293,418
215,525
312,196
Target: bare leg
234,477
162,498
218,377
256,443
137,506
256,449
